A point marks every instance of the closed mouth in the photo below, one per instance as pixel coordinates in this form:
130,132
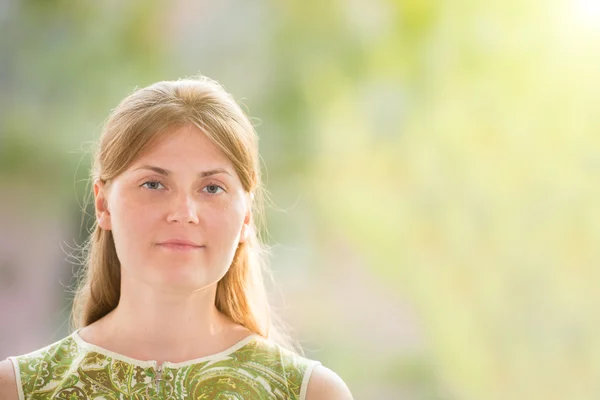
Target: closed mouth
180,246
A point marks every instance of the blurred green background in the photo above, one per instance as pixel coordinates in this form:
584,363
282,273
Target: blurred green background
434,167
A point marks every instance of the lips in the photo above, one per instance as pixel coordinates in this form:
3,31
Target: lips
180,244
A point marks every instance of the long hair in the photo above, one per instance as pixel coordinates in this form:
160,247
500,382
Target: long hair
135,125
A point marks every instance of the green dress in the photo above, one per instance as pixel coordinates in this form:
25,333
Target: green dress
252,369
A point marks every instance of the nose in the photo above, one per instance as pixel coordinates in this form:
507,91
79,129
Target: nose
183,210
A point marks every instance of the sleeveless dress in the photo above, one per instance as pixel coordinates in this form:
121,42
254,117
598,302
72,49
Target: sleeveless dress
255,368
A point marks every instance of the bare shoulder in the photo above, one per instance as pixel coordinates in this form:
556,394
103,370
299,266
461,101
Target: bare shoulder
324,384
8,382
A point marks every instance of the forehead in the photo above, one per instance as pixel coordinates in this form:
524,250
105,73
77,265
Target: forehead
182,148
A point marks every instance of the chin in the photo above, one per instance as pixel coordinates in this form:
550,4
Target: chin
183,276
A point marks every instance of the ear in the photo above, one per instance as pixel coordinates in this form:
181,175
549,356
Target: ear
246,225
101,206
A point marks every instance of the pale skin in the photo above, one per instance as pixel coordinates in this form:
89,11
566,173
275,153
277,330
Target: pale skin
183,188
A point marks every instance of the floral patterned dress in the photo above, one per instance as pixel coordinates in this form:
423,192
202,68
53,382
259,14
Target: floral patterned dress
252,369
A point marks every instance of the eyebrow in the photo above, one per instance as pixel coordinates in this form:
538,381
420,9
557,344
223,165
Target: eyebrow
202,174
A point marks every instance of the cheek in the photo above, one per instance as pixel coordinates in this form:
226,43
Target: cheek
227,219
132,220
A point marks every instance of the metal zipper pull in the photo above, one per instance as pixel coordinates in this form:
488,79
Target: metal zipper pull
158,378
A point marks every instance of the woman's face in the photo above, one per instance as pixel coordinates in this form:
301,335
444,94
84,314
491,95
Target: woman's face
184,190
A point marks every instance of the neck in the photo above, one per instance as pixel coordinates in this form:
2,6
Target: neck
162,318
167,326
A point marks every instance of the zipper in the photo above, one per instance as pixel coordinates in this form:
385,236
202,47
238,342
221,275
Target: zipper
156,381
158,377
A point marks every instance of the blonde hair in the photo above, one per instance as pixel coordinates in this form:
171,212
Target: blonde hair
135,125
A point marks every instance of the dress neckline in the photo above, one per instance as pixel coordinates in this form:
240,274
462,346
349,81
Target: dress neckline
166,364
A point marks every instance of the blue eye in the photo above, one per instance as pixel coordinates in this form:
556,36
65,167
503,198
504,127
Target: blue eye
153,185
212,189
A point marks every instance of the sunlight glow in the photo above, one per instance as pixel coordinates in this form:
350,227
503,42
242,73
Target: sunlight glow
587,13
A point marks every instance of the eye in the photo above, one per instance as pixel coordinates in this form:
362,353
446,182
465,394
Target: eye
213,189
153,185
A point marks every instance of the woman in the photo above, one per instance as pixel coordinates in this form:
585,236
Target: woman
172,304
